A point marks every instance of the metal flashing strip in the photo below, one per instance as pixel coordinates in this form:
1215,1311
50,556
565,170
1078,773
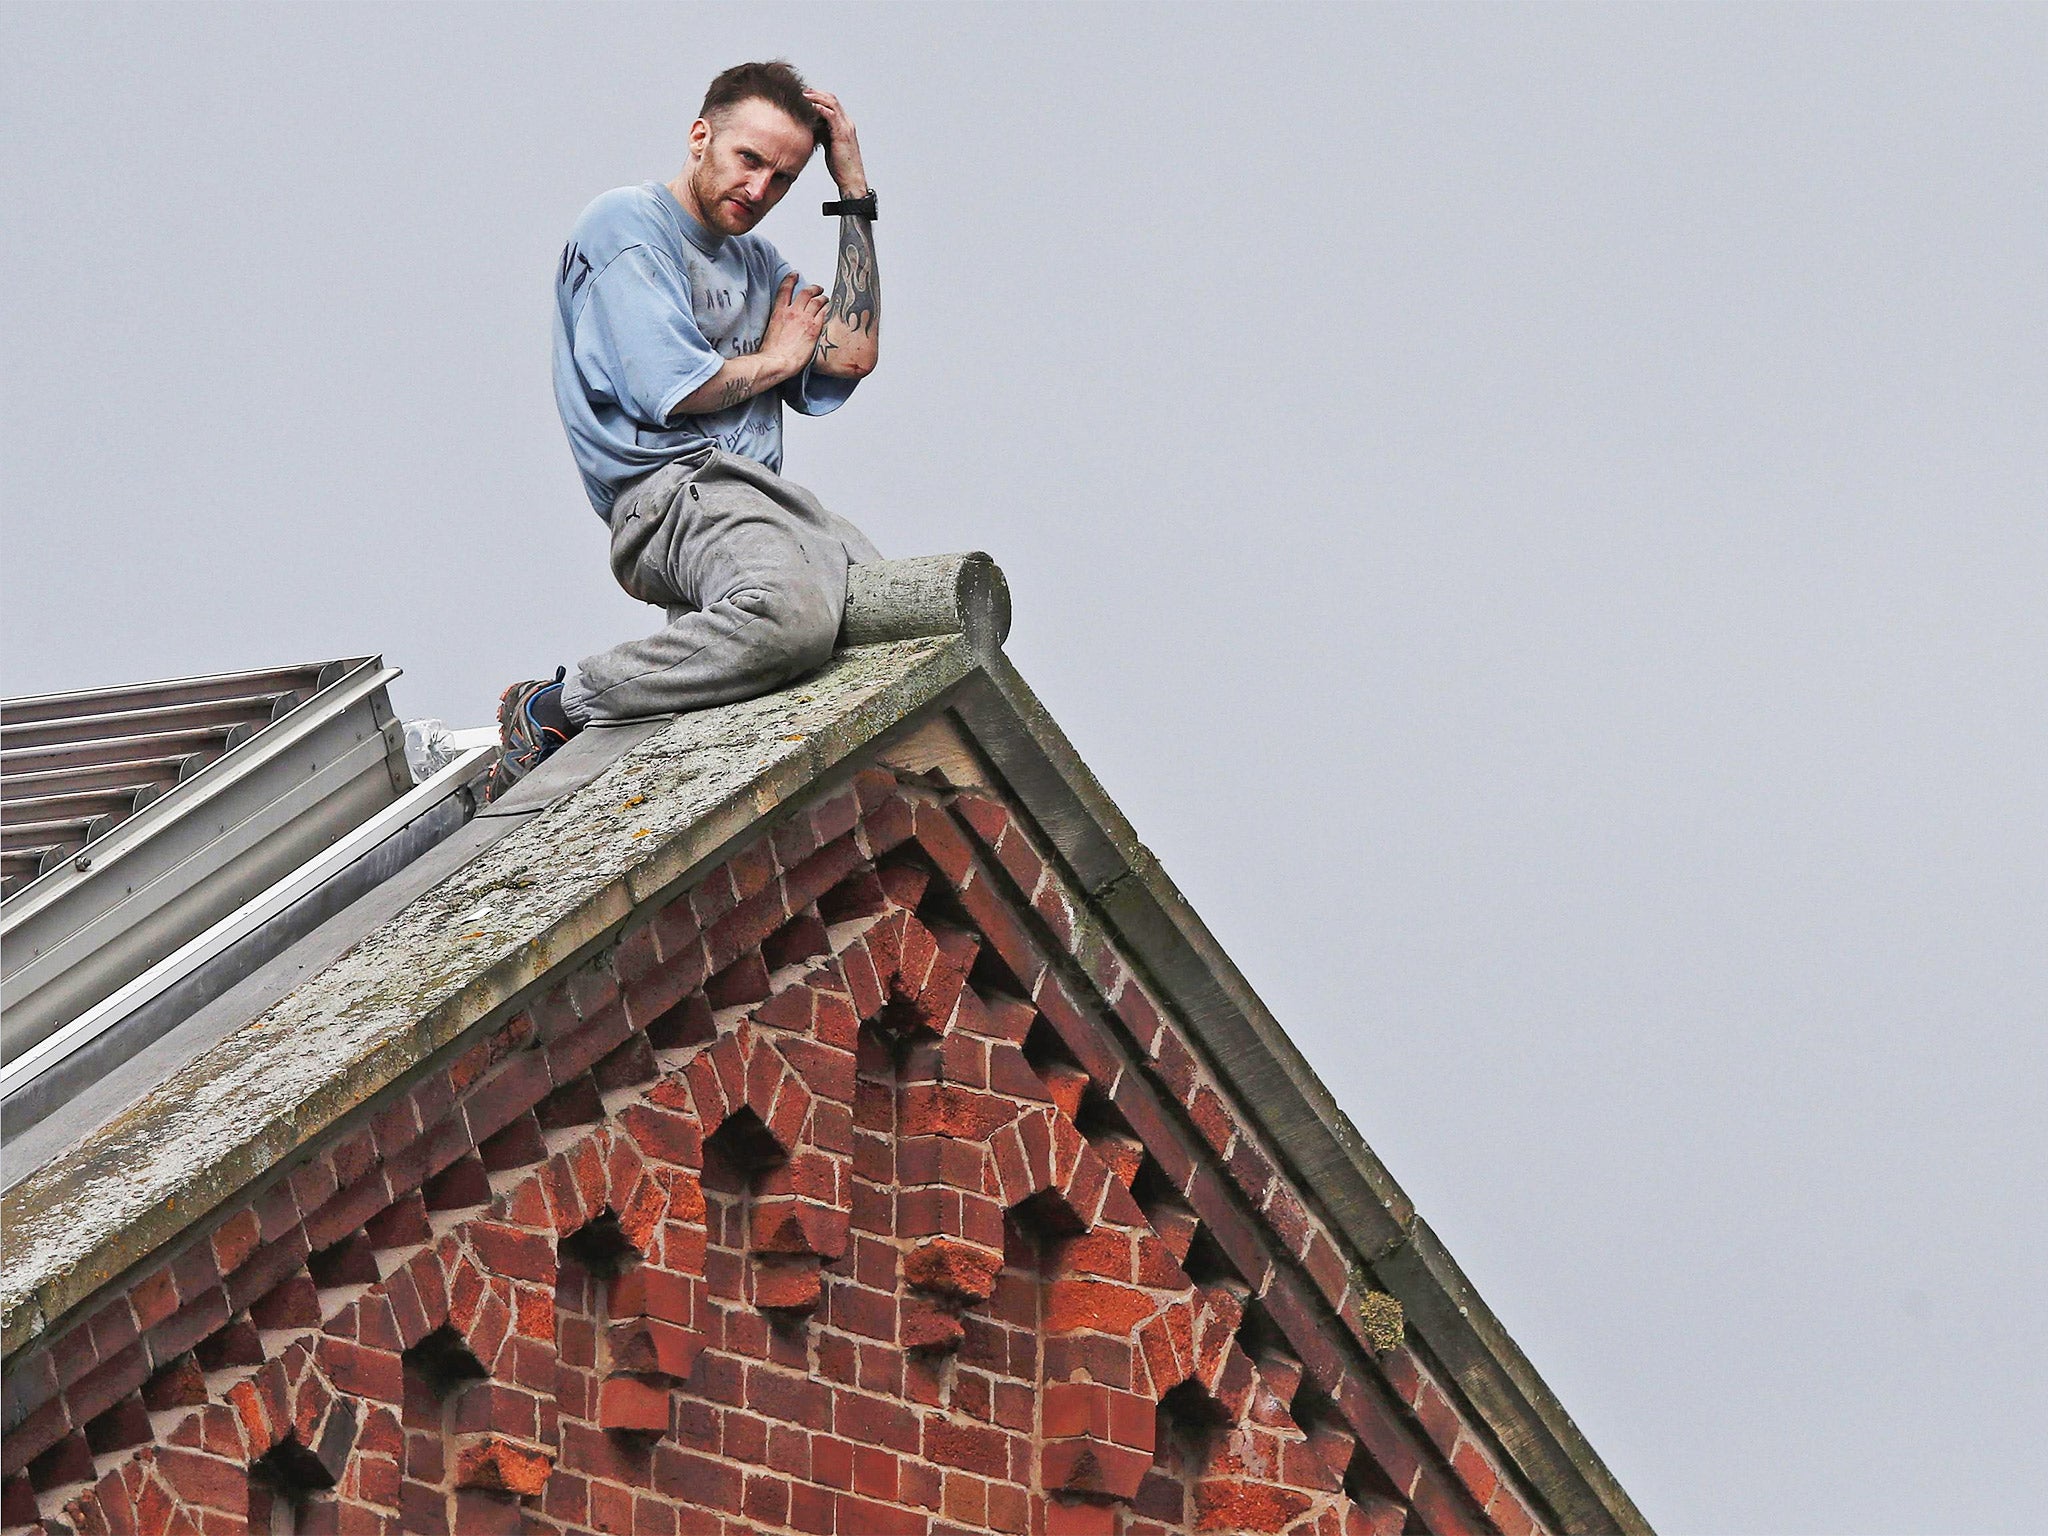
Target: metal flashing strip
21,1073
588,753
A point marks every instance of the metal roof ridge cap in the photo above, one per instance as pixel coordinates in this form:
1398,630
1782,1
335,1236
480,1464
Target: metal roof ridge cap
130,716
267,744
353,663
137,765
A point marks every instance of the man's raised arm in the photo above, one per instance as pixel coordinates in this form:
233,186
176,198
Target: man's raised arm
794,321
852,338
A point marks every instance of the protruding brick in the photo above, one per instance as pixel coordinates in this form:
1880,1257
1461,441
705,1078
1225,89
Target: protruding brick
685,1024
462,1184
1242,1505
929,1326
787,1284
400,1224
1091,1466
121,1426
798,1226
953,1267
644,1291
515,1254
518,1144
234,1240
648,1346
179,1384
18,1501
503,1464
633,1405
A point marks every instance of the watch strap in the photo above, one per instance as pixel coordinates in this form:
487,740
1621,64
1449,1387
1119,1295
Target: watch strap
862,207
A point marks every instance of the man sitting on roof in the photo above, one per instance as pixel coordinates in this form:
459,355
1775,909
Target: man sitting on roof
679,337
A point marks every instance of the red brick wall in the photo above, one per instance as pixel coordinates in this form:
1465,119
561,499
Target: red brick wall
863,1189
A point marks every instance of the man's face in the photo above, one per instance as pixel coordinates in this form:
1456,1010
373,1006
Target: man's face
743,163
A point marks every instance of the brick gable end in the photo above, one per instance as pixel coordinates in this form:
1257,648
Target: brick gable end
861,1188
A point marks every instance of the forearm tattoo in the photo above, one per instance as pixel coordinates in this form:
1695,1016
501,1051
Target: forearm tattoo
856,288
736,389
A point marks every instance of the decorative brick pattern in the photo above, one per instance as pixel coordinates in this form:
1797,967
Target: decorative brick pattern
862,1188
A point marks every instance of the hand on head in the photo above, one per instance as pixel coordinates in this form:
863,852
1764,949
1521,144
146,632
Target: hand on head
842,148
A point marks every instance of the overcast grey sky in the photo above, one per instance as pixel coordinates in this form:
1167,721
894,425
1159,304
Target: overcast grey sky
1536,513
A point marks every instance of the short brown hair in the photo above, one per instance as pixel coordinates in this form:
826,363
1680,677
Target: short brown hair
775,82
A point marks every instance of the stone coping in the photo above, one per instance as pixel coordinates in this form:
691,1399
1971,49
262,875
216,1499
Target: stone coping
461,952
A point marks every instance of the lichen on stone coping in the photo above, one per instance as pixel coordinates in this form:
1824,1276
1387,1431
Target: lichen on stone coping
527,904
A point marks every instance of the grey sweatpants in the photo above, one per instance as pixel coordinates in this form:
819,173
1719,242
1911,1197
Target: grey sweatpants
752,571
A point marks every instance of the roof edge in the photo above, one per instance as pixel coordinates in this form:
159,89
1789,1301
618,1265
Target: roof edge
1276,1086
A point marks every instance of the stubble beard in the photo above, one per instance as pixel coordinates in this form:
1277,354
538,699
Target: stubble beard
711,202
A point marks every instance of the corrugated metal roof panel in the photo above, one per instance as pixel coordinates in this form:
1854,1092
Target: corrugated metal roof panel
131,818
123,747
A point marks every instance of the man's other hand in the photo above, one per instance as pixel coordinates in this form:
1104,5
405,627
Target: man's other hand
842,150
793,326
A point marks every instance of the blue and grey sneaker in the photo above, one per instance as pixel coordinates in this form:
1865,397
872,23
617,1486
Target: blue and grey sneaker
524,742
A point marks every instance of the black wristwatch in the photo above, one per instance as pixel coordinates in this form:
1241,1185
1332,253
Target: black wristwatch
862,207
